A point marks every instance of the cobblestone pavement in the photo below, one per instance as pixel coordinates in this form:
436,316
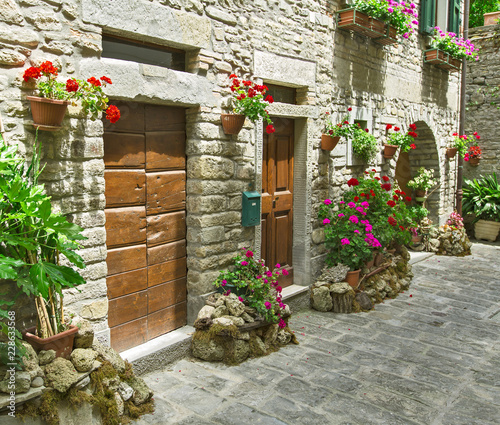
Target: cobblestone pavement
431,356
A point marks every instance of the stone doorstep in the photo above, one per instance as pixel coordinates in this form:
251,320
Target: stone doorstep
416,257
157,353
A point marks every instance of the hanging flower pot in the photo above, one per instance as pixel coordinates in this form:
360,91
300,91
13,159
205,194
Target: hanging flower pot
352,278
389,151
232,123
328,142
442,60
474,161
62,343
47,114
451,152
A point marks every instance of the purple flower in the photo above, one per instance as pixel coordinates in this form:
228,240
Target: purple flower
390,9
327,201
345,241
326,221
269,273
282,324
354,219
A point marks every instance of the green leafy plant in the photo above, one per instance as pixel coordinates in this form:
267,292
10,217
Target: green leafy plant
89,92
423,180
32,238
419,212
255,284
405,141
364,145
249,100
482,198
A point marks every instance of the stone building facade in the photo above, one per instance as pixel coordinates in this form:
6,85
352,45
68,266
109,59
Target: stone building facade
483,100
291,44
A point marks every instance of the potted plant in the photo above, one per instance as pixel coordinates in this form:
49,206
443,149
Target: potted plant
333,132
460,144
364,145
422,182
348,236
49,108
32,239
482,198
255,284
448,50
399,139
380,19
250,100
473,155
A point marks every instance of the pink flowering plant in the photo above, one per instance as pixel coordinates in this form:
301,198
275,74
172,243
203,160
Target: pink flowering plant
250,99
402,16
455,220
255,284
455,46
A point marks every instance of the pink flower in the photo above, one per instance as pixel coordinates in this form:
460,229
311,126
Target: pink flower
241,299
267,304
356,231
249,254
244,263
278,265
360,209
279,289
345,241
351,204
282,324
354,219
227,292
342,202
265,281
285,272
327,201
365,204
341,215
326,221
223,283
277,273
269,273
368,228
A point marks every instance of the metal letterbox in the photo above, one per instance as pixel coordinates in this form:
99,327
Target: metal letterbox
250,209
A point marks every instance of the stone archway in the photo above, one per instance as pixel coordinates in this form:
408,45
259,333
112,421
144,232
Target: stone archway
425,155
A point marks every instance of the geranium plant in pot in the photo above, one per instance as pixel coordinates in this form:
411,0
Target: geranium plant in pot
422,182
482,198
333,132
50,106
473,155
249,100
33,238
255,285
460,144
398,139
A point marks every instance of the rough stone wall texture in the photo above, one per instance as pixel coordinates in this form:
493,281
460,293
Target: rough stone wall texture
483,100
292,43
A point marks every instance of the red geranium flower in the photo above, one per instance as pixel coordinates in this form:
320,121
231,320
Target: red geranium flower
71,85
269,98
353,182
32,72
386,186
48,68
395,197
408,199
356,198
401,227
396,129
112,113
106,79
391,203
413,146
233,76
413,127
388,126
94,81
349,109
392,221
247,83
270,129
385,178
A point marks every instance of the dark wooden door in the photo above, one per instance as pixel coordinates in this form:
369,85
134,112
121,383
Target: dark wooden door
277,197
145,173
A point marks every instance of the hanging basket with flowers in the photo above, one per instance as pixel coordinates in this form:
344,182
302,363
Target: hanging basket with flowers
333,132
250,101
461,144
473,155
48,109
398,139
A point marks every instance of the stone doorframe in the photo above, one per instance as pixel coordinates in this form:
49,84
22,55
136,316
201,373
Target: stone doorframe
303,147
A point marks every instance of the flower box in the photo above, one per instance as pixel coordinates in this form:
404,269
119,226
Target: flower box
390,37
442,60
354,20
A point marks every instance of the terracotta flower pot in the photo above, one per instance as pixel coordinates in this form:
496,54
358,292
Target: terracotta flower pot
328,142
486,229
442,60
451,152
474,161
232,123
369,264
420,193
48,114
354,20
352,278
62,343
389,151
391,36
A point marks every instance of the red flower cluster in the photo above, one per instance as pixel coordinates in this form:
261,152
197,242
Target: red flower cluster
473,152
391,203
32,72
112,114
412,134
47,68
270,129
385,178
386,186
352,182
94,81
106,79
392,221
72,85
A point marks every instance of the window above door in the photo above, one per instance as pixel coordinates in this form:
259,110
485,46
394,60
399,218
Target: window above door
440,13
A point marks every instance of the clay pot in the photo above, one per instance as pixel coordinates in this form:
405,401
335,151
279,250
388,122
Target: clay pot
474,161
328,142
451,152
48,114
62,343
389,151
352,278
232,123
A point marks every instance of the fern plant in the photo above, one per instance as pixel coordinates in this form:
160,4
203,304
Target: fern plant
482,197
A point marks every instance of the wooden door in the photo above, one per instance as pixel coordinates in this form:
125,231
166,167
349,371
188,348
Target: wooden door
145,173
277,197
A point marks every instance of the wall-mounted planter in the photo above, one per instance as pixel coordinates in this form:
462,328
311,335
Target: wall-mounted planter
391,36
451,152
442,60
474,161
354,20
48,114
492,18
390,151
328,142
232,123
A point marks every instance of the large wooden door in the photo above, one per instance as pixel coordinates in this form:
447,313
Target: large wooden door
277,197
144,155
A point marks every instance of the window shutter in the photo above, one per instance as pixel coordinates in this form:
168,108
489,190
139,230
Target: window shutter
428,15
454,16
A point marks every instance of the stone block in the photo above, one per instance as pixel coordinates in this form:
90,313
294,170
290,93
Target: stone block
83,359
60,375
11,57
321,299
95,310
207,167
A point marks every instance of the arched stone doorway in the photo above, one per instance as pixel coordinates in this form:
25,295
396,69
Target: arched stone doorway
425,155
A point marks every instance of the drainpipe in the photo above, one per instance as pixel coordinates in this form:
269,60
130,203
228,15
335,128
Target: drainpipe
461,129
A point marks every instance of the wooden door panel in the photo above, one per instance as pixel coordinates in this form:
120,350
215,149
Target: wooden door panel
125,226
121,260
127,283
128,308
129,334
165,272
282,241
166,228
122,150
282,160
166,294
124,187
166,252
264,233
165,118
131,119
165,150
166,192
167,320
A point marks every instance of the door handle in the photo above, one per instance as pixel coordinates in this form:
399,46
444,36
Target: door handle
274,201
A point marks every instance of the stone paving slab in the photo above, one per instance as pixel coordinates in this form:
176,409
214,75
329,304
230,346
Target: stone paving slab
429,357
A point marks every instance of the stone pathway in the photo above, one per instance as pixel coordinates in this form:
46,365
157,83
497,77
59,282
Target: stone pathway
431,356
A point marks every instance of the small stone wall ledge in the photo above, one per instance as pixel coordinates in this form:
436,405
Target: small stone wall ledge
296,297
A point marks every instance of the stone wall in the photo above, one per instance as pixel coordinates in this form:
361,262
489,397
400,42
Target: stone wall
291,43
483,99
